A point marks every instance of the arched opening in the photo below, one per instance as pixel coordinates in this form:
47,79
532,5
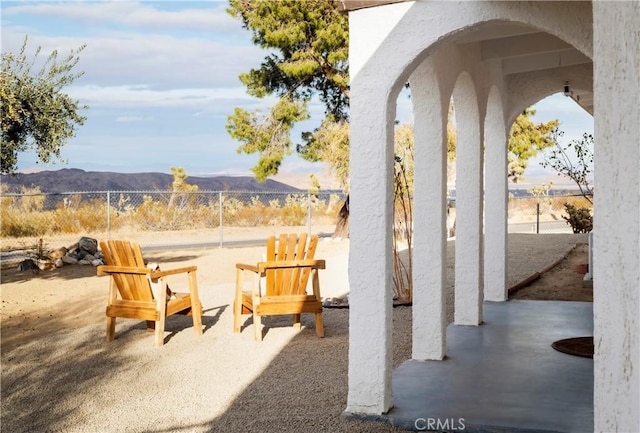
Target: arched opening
498,47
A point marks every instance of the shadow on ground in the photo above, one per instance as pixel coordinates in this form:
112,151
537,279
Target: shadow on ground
69,378
45,385
290,396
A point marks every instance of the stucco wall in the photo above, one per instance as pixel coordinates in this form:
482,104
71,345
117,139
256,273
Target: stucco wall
387,44
617,216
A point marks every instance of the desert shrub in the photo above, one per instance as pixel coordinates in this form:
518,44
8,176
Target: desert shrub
73,215
62,220
203,217
183,200
579,219
246,215
291,211
32,199
124,206
524,208
150,215
31,214
158,215
91,216
162,212
230,208
579,201
15,223
22,216
294,211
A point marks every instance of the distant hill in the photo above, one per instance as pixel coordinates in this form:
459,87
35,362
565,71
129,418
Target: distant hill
76,180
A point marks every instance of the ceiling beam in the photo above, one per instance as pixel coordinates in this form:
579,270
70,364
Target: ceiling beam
352,5
493,30
544,60
520,45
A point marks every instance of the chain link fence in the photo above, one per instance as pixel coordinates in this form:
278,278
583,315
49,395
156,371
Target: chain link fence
35,223
544,214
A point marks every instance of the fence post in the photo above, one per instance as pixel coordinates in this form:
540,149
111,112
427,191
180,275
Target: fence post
220,216
538,217
309,213
108,215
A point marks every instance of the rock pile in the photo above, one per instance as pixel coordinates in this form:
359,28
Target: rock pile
84,252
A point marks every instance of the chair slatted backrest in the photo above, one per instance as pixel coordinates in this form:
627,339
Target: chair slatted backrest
132,287
289,281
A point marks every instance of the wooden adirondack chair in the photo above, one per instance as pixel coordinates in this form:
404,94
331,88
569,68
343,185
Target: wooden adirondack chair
280,284
132,286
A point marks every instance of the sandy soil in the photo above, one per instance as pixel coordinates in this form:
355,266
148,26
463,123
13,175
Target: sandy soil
59,374
564,282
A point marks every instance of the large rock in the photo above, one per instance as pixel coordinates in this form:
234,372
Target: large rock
27,265
69,260
57,253
89,245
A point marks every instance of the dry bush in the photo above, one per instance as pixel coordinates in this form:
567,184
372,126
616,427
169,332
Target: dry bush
579,218
551,207
239,214
291,212
294,211
158,215
16,224
31,215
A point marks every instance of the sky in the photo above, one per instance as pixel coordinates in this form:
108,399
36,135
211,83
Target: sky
160,79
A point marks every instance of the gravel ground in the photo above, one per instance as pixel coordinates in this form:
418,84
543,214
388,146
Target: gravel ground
59,374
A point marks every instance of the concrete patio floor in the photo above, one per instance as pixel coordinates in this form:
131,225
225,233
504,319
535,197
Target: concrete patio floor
503,376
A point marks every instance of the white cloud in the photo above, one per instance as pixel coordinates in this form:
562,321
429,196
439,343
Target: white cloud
126,119
163,61
160,78
140,14
206,101
131,42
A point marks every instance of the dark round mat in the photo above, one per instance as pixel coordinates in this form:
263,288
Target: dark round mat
578,346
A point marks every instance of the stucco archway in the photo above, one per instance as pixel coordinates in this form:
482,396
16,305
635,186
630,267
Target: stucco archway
391,42
453,46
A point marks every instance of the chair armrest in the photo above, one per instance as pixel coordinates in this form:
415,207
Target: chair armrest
245,267
314,264
163,273
108,270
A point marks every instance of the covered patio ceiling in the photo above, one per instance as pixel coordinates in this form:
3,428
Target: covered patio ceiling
522,51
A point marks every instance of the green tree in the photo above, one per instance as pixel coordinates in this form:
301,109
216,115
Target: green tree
308,45
330,143
35,113
308,42
526,139
267,134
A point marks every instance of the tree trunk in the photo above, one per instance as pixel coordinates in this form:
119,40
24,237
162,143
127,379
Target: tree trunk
342,226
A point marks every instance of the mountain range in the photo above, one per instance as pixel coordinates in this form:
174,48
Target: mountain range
76,180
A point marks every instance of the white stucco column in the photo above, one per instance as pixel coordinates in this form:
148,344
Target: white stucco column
370,261
469,248
616,284
496,193
429,228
